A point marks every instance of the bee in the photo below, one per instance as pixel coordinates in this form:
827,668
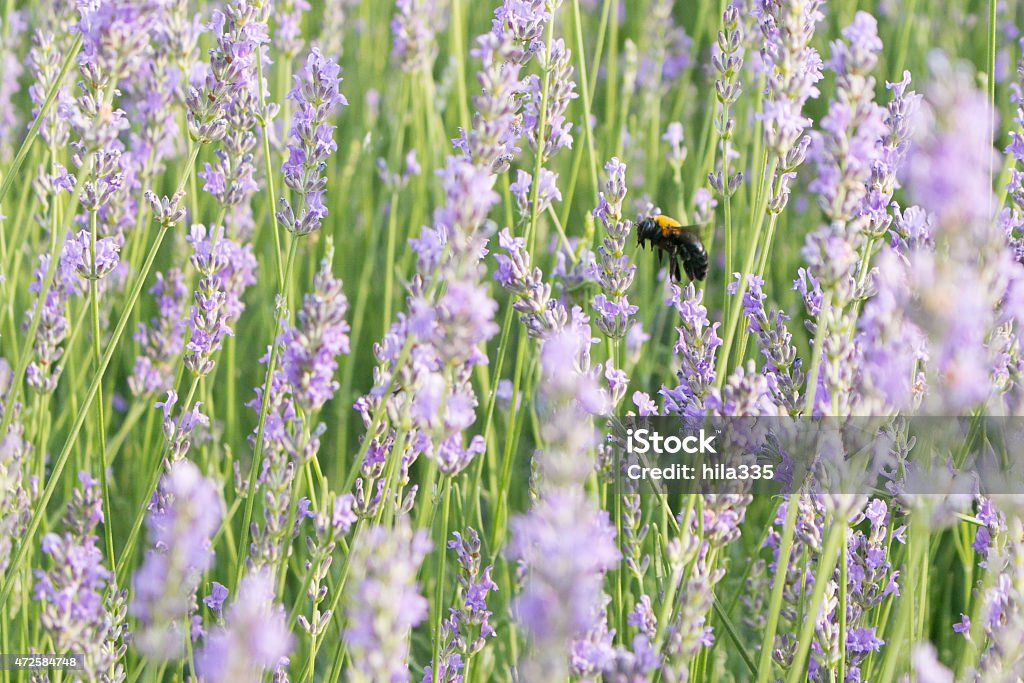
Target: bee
680,242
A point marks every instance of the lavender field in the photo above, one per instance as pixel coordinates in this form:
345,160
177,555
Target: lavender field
317,319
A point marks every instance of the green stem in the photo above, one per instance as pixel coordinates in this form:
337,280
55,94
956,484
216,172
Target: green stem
817,354
588,131
764,664
458,44
727,200
389,260
991,83
826,565
612,76
441,566
269,172
734,315
843,596
94,305
497,533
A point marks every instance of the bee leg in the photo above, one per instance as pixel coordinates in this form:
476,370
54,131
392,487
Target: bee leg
660,255
674,270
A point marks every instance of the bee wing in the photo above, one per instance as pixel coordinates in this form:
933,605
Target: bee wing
686,232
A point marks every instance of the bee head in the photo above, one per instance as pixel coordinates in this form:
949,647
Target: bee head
646,230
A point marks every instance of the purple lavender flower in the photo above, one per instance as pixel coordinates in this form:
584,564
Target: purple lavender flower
467,628
288,17
792,68
311,347
689,632
614,273
218,595
565,542
847,151
871,579
316,96
727,61
703,205
49,45
286,445
106,255
72,590
696,345
1002,606
902,108
115,37
547,193
775,343
385,604
183,516
849,147
970,259
523,21
557,131
178,432
890,345
395,181
43,371
567,545
255,636
491,141
162,81
541,314
676,149
667,51
226,269
1015,150
413,30
240,33
231,178
445,331
948,134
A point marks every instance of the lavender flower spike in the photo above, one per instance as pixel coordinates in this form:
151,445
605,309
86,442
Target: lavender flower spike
385,603
183,516
255,637
615,273
312,346
792,68
312,141
71,591
226,269
413,29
